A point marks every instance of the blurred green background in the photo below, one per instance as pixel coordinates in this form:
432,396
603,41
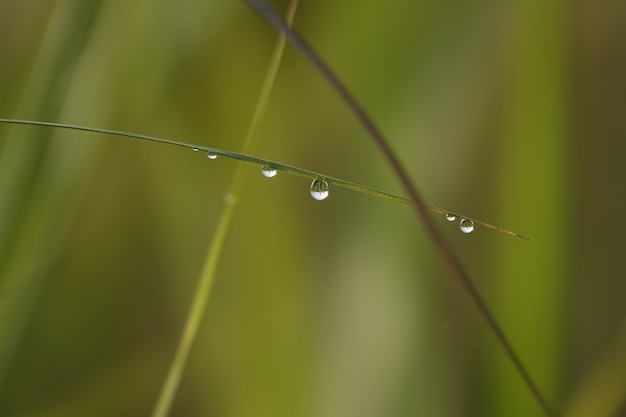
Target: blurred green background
511,112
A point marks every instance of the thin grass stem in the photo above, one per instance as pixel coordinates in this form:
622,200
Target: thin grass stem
289,169
207,275
421,208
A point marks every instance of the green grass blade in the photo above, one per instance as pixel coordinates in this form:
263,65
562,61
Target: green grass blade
289,169
207,275
200,300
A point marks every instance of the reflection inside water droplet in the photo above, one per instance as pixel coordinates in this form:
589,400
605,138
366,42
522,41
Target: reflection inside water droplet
450,217
467,226
194,149
211,155
319,189
269,172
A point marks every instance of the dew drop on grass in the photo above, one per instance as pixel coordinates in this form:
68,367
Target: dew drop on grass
269,172
467,226
194,149
319,189
211,155
450,217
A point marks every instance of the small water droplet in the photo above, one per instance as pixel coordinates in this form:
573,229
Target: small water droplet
450,217
230,199
269,172
319,189
194,149
467,226
211,155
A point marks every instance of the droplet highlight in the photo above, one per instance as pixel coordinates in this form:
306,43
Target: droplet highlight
194,149
467,226
269,172
211,155
319,189
450,217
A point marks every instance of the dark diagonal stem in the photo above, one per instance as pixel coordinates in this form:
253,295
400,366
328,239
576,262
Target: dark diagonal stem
421,209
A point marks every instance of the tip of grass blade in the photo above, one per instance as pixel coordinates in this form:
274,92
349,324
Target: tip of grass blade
503,230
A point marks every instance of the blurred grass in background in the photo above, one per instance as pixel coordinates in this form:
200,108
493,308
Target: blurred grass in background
509,112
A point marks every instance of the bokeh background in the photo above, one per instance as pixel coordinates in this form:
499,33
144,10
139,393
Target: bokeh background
511,112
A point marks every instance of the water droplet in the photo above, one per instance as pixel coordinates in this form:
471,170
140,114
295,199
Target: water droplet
194,149
211,155
450,217
230,199
319,189
467,226
269,172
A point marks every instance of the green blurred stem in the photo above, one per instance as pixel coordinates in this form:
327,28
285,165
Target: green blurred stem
211,262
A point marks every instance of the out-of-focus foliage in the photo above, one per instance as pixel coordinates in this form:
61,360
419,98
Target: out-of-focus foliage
511,112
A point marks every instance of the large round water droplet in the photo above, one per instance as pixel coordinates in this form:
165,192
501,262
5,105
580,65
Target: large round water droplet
319,189
467,226
269,172
194,149
450,217
211,155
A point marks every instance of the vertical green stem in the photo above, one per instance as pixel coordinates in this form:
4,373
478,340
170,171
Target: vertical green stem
205,282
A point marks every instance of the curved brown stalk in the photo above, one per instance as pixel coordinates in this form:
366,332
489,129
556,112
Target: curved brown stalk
450,258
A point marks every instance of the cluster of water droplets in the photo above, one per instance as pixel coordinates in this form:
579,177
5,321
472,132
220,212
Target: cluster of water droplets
319,188
466,225
320,191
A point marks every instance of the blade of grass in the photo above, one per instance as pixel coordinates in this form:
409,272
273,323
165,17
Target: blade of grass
289,169
207,276
35,205
421,209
